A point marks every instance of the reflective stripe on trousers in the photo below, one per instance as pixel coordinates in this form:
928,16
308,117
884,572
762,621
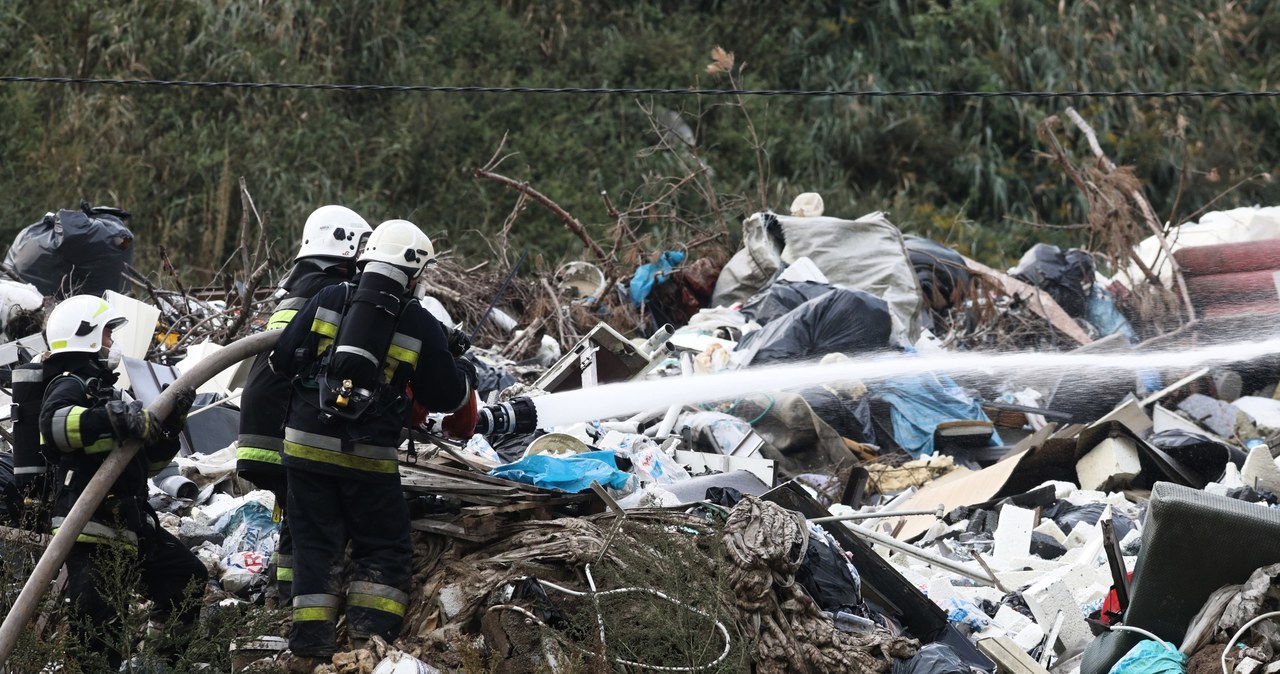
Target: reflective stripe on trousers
315,608
363,594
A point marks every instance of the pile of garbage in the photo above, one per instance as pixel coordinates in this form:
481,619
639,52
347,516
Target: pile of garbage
805,456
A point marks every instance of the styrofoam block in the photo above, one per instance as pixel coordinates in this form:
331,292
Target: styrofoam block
452,600
1033,563
940,591
1013,533
935,530
1028,637
1009,620
1085,496
1114,461
1260,470
1231,477
1016,580
1052,530
977,594
1061,489
1046,599
1248,666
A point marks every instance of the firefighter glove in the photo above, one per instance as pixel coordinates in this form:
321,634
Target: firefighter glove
467,369
458,342
181,405
132,421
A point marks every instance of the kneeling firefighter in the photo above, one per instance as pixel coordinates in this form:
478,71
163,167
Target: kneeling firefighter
331,241
352,352
83,418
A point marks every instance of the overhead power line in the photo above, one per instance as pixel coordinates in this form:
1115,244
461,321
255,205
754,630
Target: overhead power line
628,91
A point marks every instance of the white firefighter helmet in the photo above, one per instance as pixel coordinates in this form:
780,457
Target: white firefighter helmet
76,325
400,243
333,231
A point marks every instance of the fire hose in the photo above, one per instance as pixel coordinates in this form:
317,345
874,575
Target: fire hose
24,607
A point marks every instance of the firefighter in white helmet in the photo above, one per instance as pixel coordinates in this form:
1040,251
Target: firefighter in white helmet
82,419
331,241
360,355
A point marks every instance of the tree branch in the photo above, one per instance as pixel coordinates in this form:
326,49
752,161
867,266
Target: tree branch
1144,207
571,222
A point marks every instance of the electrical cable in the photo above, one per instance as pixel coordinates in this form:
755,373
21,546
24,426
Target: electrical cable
1236,637
633,91
1149,635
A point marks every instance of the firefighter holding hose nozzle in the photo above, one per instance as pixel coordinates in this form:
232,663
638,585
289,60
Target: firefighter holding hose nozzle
352,352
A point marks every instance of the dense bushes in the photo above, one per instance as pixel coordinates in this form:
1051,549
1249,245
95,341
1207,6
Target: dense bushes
962,170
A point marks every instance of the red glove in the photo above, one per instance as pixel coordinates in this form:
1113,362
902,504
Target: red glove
461,424
419,416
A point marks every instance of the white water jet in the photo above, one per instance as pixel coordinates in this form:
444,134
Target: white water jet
616,400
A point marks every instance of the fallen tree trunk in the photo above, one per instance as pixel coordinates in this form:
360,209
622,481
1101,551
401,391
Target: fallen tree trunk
24,608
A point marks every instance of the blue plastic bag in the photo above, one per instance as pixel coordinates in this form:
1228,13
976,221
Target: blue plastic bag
649,275
1150,657
566,473
1106,317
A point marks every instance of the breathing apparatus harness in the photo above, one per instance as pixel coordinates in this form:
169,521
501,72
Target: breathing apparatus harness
353,374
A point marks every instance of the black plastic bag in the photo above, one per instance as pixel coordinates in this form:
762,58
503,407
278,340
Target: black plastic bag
942,272
849,418
825,575
843,320
1200,453
781,297
1067,515
1064,275
1045,546
74,252
932,659
727,497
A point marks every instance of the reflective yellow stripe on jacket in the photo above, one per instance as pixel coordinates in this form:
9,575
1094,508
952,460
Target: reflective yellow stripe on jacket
67,436
324,449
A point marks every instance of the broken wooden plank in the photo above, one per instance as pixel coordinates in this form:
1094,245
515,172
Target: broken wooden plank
1008,657
1040,302
24,537
449,529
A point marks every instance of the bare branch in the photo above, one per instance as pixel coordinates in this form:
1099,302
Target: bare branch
1144,207
571,222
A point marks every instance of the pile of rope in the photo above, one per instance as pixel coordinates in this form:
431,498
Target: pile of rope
765,544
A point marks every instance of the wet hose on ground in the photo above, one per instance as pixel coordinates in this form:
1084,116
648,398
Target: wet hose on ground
25,606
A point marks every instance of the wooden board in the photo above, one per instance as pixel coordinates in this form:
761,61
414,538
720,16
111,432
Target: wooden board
1037,300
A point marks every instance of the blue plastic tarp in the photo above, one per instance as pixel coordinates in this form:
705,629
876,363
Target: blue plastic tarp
649,275
922,401
1151,657
566,473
